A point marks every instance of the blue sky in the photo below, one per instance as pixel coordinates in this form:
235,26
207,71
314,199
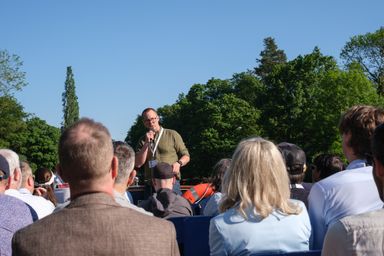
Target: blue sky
128,55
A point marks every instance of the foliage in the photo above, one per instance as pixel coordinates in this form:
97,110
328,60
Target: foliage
11,120
38,143
368,51
11,76
69,98
270,57
305,98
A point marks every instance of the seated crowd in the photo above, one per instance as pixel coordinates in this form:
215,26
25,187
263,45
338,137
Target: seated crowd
258,198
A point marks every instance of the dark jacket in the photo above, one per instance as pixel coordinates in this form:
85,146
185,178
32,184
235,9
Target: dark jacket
165,203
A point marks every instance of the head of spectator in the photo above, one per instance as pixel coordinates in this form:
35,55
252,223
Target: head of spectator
151,119
257,178
27,177
163,176
324,165
356,127
44,184
14,181
4,174
218,173
86,159
295,161
378,159
44,176
126,158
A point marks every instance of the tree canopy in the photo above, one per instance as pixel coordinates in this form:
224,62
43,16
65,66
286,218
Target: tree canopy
368,51
11,76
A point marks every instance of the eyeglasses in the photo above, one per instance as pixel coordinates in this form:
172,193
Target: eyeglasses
150,119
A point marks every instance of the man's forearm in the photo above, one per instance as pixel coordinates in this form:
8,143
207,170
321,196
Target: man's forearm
141,156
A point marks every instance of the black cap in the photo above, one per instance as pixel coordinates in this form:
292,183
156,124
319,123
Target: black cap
4,167
163,171
293,156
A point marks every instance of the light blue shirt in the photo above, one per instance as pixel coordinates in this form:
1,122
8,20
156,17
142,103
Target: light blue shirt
231,234
212,206
345,193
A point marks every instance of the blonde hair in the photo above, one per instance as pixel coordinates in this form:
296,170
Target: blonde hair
257,178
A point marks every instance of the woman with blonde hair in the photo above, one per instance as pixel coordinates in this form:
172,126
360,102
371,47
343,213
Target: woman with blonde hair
258,215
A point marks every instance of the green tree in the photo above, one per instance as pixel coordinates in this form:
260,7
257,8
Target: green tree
11,120
270,57
70,104
38,143
11,75
305,98
368,51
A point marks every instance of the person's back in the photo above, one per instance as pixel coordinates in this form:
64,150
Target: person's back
276,233
15,215
166,203
93,223
257,214
362,234
352,191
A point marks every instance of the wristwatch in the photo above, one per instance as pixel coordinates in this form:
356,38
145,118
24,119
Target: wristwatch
180,163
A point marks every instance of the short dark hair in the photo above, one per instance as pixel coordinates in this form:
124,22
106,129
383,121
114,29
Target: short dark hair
360,122
146,110
328,164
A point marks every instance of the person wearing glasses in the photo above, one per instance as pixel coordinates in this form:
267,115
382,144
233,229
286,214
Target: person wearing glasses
160,145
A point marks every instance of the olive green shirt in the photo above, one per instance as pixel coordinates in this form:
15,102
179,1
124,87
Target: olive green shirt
170,148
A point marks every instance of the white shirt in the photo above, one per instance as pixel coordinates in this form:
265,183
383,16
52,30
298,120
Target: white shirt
345,193
42,206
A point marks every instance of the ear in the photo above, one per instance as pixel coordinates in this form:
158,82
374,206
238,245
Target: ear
114,167
17,174
30,181
131,178
305,168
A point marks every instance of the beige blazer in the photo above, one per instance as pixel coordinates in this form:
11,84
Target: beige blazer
94,224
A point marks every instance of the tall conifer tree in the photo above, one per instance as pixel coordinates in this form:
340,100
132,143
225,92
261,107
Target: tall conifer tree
270,56
70,104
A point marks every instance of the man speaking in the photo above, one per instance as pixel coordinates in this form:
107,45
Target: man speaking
160,145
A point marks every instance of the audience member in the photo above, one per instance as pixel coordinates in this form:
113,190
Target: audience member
45,179
296,165
14,181
257,214
15,214
93,223
125,176
352,191
15,178
166,203
42,206
361,234
324,165
212,206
